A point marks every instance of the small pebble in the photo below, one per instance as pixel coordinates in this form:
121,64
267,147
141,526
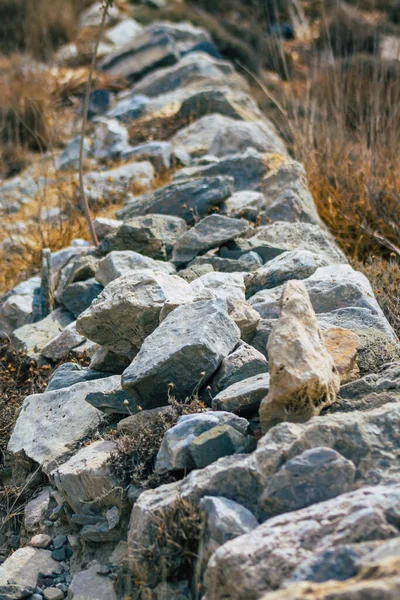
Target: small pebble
59,541
59,554
41,540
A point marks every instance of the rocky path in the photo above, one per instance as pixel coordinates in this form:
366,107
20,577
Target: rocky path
224,324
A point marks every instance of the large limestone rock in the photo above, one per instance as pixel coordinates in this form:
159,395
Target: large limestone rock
19,574
185,350
128,309
60,346
304,378
51,424
16,306
87,585
211,232
122,262
228,286
252,564
244,396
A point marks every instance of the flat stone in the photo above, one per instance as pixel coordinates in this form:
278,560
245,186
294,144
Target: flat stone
187,347
124,32
16,306
244,362
183,199
68,374
123,262
116,401
51,424
151,235
53,593
220,441
87,585
238,136
248,262
35,510
128,309
246,204
104,226
63,343
20,572
130,106
211,232
133,424
244,396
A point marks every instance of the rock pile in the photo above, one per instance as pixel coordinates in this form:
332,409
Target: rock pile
213,302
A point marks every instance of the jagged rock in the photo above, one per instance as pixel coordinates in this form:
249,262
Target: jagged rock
342,345
70,373
244,362
228,286
87,585
314,476
181,198
176,448
63,343
226,520
53,593
304,379
79,296
32,338
197,137
260,335
375,350
123,262
20,572
194,271
211,232
246,204
35,510
69,157
128,309
108,361
245,317
239,136
112,185
195,68
151,235
133,424
294,264
91,17
16,306
246,263
51,424
158,153
86,481
104,227
124,32
115,401
244,396
258,562
186,348
129,107
215,443
111,139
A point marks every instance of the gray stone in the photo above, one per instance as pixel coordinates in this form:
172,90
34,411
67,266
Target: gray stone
151,235
132,425
124,32
195,68
108,361
86,481
227,286
35,510
244,362
104,227
123,262
248,262
128,309
158,153
91,17
16,306
20,572
244,396
53,593
245,317
111,139
216,443
129,107
314,476
69,157
245,204
375,350
184,199
187,348
63,343
87,585
70,373
112,185
294,264
258,562
211,232
237,137
175,450
194,271
197,137
51,424
32,338
79,296
115,401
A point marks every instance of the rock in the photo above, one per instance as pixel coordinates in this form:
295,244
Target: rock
68,374
158,153
112,185
304,379
226,520
108,361
111,139
69,157
16,306
87,585
35,510
245,317
133,424
295,264
260,336
197,137
99,102
91,17
63,343
250,261
124,32
238,136
258,562
244,396
104,227
244,362
211,232
41,540
176,448
192,69
53,593
245,204
86,481
123,262
370,326
51,424
220,441
194,271
185,349
129,107
375,350
80,295
342,345
20,572
32,338
227,286
314,476
115,401
183,199
128,309
151,235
